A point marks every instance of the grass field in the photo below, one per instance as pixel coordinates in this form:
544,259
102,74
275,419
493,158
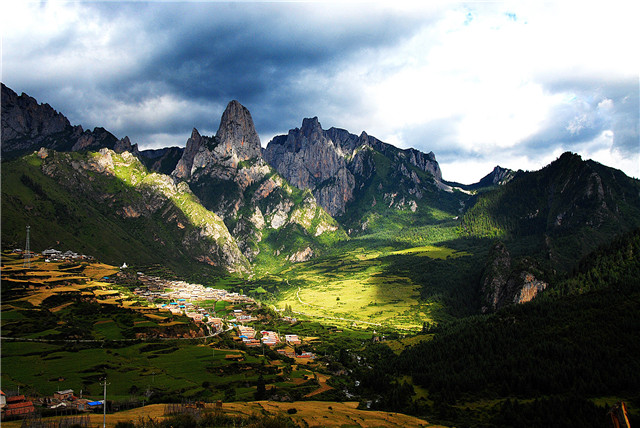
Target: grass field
184,370
355,287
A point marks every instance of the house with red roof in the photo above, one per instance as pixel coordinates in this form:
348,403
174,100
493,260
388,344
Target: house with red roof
18,406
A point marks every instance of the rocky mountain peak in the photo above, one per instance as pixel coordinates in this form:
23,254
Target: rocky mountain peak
183,168
27,124
237,134
124,145
311,127
501,175
327,162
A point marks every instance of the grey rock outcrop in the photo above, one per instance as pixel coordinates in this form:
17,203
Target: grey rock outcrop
505,282
334,163
124,145
309,159
501,176
237,136
194,143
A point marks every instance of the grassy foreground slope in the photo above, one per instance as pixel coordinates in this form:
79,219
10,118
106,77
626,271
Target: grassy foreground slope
65,328
274,414
109,206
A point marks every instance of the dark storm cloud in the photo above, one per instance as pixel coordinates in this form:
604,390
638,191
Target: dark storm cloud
210,53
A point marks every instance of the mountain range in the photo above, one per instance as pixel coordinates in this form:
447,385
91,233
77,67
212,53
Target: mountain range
508,302
223,200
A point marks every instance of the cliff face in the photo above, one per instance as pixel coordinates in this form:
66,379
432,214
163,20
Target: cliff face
23,117
237,137
505,282
338,166
309,159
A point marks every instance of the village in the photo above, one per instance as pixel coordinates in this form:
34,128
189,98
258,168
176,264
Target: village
236,317
65,401
183,298
196,302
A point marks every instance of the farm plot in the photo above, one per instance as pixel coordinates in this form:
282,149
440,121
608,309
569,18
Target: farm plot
323,413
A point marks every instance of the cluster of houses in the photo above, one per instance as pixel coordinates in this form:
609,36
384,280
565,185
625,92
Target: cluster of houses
183,299
15,406
53,255
270,338
181,291
67,399
21,406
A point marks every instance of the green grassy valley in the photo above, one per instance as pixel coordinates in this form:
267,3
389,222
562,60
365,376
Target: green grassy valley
389,315
358,287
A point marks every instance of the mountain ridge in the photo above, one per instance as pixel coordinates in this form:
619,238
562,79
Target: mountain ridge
230,176
27,126
333,163
370,186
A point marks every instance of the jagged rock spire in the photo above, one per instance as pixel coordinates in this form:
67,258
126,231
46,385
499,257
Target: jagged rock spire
183,168
237,134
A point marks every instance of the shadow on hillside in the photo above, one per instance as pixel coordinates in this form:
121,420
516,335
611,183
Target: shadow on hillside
100,214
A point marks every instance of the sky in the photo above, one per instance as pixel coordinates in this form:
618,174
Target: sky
480,84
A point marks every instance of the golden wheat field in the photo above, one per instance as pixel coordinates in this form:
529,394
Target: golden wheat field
308,414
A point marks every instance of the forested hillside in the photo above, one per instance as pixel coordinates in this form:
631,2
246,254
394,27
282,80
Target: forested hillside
556,348
560,213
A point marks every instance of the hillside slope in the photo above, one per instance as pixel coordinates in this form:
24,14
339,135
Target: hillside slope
561,212
108,205
582,345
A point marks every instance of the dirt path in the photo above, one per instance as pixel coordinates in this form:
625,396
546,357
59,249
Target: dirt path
322,380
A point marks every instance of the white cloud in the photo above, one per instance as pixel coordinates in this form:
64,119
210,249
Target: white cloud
484,71
67,43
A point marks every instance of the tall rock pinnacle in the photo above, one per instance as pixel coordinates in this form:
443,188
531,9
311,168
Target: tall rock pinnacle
237,134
